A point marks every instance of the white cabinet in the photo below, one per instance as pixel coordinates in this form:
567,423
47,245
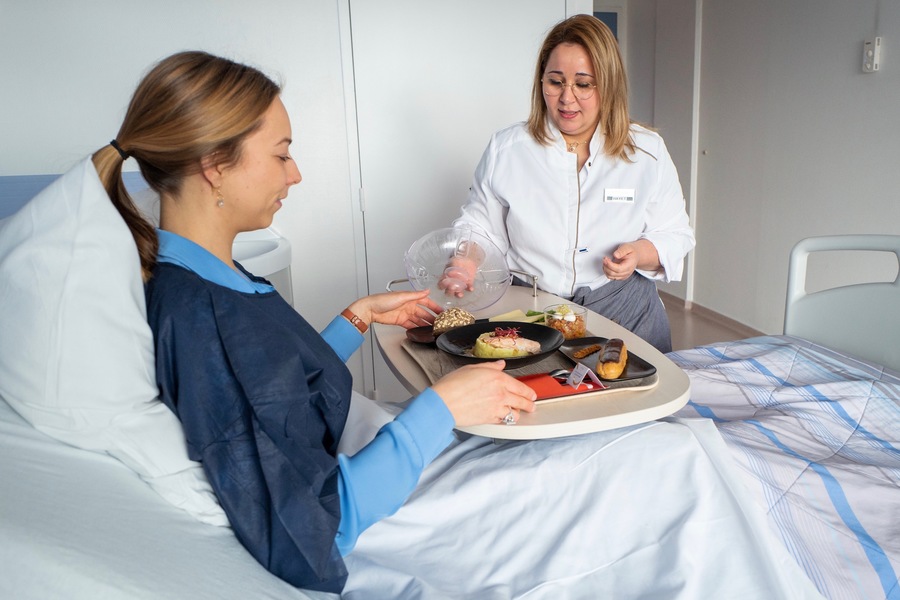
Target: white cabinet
432,81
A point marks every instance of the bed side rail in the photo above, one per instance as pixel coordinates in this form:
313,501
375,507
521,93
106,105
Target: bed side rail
861,319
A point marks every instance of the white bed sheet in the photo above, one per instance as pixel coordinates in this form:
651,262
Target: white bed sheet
650,511
816,437
78,525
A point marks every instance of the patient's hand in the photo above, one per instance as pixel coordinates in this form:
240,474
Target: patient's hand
406,309
483,394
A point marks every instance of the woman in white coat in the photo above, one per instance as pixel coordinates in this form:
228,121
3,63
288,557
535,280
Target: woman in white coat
579,195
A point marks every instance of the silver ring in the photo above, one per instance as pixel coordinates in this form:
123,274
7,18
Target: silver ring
510,418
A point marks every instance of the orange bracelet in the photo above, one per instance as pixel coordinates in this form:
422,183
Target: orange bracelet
355,321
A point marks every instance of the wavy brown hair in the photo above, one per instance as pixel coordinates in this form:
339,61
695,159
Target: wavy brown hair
596,38
191,106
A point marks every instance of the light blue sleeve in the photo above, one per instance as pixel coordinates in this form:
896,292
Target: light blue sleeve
343,337
377,480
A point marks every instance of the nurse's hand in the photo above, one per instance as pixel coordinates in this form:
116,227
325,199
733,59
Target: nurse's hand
483,394
640,254
459,276
406,309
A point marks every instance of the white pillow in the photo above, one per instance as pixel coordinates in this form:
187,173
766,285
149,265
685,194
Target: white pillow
77,352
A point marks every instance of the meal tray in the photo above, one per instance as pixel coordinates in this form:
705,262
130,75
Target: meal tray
436,364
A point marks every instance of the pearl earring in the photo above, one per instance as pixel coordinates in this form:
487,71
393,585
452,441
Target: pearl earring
220,202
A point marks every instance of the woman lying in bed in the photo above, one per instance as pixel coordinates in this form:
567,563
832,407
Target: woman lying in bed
263,397
264,401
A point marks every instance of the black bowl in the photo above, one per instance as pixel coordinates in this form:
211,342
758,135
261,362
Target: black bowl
460,341
421,335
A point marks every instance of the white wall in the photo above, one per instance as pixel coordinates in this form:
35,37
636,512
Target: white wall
641,62
797,142
673,102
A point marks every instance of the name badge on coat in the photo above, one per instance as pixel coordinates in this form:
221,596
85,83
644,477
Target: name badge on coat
618,195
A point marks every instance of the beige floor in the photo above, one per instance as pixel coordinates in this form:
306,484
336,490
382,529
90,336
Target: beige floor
697,326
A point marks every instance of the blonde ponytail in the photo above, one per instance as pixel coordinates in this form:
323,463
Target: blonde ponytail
108,162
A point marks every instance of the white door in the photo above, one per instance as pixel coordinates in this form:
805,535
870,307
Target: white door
432,81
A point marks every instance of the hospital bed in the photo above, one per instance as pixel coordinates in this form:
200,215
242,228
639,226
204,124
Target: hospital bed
806,432
812,418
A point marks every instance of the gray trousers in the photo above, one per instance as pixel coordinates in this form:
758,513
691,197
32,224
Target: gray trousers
633,303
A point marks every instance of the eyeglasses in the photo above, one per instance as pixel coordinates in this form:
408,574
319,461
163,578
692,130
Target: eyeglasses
583,90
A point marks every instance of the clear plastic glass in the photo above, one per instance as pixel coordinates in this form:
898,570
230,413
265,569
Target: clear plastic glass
568,319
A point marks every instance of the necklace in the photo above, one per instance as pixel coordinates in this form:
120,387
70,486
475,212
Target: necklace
573,146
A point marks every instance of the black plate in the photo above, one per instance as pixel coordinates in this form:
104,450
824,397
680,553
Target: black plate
459,341
635,367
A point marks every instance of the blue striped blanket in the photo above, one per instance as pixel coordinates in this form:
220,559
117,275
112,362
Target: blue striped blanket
817,436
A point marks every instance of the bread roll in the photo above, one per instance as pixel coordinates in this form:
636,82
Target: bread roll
452,318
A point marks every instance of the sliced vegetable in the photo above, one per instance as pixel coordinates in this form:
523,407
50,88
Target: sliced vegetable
537,316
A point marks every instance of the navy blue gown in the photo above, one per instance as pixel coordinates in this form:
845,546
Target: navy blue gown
263,400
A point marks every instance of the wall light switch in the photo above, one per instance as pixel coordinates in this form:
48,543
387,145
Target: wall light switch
872,55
